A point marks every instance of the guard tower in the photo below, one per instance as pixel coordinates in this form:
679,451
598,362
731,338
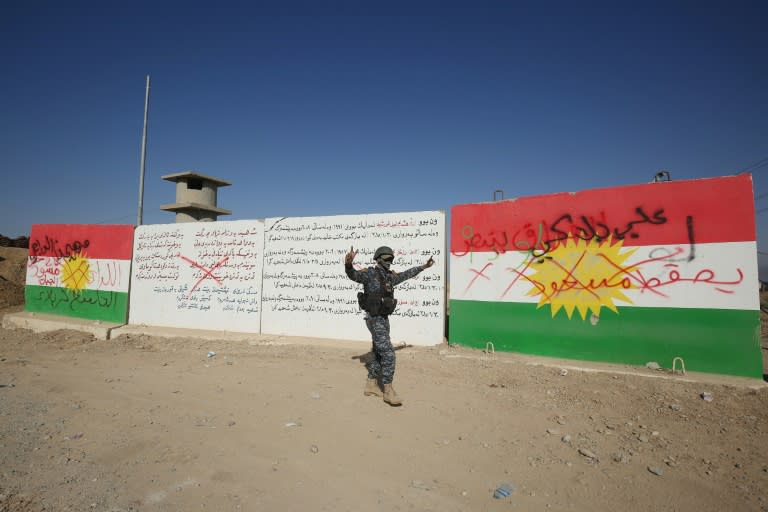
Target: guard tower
195,197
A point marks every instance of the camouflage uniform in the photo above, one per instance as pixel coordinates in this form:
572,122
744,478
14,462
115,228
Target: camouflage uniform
382,366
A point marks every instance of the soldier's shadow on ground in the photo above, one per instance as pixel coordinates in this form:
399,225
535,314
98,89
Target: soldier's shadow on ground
368,356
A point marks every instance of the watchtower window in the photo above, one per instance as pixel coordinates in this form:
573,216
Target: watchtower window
195,184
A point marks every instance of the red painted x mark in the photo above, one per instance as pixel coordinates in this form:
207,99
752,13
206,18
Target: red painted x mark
206,273
479,274
520,273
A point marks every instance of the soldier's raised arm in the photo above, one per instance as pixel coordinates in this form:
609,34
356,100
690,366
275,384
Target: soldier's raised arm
350,257
411,272
353,274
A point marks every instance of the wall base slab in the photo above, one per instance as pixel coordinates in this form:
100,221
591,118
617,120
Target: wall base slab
40,322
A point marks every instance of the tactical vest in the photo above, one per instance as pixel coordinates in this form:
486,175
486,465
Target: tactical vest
382,302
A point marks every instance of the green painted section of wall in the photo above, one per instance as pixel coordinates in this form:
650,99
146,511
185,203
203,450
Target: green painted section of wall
709,340
89,304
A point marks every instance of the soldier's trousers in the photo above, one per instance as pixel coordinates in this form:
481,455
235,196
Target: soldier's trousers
382,365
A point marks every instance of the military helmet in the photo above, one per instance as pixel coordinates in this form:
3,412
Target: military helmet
383,250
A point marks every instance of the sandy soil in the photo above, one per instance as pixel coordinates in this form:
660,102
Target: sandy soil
150,424
13,271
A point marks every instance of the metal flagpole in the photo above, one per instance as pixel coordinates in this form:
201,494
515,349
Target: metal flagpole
143,156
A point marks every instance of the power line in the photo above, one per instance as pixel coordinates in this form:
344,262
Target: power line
760,163
754,167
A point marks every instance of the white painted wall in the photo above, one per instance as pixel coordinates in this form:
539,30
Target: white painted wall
198,275
307,293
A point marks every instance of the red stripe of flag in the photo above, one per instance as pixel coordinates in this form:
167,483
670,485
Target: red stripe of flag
675,212
100,241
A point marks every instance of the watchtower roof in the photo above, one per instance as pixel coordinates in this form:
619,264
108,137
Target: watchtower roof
195,175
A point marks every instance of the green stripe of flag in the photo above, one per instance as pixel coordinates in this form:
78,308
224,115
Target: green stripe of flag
709,340
108,306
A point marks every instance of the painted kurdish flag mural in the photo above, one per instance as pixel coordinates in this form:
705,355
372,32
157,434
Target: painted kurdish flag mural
79,270
629,274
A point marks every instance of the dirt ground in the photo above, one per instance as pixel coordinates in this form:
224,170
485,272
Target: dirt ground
151,424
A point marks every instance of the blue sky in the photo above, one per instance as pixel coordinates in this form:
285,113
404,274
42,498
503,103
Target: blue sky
325,108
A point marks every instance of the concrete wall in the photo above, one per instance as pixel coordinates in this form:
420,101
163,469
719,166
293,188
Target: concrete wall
627,274
79,270
307,293
198,275
211,276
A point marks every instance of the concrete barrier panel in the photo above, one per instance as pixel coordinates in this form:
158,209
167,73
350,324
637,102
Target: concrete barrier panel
79,270
307,293
203,275
628,274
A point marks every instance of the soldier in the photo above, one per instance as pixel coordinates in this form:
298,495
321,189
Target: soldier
378,301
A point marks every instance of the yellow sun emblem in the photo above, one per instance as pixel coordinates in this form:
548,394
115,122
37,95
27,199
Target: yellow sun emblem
583,275
76,272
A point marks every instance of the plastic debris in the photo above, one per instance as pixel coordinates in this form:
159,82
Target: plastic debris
503,491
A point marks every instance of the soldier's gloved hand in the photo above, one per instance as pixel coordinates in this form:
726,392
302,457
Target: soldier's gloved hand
349,258
429,262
